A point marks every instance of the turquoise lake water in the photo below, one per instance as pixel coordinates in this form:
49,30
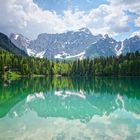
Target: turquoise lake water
61,108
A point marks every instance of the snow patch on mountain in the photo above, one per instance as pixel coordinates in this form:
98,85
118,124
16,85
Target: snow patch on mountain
74,44
119,51
16,36
33,53
68,56
30,52
41,54
61,56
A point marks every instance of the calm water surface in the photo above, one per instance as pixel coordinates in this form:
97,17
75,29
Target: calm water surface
70,109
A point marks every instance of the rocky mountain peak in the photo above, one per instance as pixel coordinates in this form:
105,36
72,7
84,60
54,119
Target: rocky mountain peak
85,30
74,44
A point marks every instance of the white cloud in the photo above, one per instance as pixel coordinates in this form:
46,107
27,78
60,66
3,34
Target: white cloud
108,20
137,22
27,18
128,5
136,33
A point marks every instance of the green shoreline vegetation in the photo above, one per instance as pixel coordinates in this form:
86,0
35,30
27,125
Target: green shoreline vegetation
14,66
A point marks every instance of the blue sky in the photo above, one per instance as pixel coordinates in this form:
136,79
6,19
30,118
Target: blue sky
60,5
119,19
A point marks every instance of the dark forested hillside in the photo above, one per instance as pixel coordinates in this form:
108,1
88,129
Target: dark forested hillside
30,65
6,44
128,65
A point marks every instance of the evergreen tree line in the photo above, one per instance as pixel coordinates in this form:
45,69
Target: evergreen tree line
125,65
30,65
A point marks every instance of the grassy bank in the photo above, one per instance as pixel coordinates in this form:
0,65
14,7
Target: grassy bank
11,75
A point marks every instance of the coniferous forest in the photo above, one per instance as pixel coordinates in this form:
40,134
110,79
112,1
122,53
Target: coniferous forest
123,65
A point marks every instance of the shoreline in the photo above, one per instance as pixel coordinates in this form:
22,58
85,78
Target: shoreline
14,76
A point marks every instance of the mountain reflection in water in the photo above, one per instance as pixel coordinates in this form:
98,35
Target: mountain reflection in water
89,104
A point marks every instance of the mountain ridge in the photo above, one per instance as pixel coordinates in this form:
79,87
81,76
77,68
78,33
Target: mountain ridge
74,44
6,44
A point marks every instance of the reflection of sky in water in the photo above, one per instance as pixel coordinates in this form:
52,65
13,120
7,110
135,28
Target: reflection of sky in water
40,117
118,125
65,109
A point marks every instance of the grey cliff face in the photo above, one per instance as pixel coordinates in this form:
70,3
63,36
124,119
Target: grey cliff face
74,44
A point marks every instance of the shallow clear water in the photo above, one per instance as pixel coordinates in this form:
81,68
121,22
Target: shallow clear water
70,109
